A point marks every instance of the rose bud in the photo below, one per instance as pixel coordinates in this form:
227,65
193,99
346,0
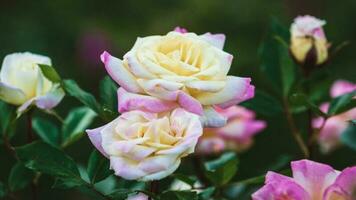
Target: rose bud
309,46
23,84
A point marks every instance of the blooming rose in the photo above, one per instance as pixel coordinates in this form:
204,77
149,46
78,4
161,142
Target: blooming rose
147,146
329,136
308,42
22,82
184,68
237,134
311,181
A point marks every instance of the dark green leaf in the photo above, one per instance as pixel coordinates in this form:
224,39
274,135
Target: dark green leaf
7,115
120,194
67,183
75,124
2,190
86,98
186,179
263,104
342,103
47,159
223,169
348,137
98,167
20,177
108,93
179,195
302,99
206,193
275,60
47,131
50,73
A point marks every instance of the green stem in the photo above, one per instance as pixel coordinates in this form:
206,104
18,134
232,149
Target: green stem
294,130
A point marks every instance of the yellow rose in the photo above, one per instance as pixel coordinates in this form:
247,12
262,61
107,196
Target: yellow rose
22,82
180,67
308,42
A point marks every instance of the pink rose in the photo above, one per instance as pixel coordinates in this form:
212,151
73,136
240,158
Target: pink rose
237,134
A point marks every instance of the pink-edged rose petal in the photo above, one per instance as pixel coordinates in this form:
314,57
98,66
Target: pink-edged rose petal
119,73
95,138
235,91
217,40
130,101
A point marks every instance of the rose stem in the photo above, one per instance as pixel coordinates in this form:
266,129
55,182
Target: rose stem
154,188
295,132
199,170
30,138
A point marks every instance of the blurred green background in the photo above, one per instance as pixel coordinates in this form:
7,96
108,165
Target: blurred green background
74,33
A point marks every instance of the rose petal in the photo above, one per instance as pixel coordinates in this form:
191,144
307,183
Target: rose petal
206,86
50,99
136,68
313,177
211,118
236,90
217,40
344,186
126,168
11,95
119,73
129,101
280,187
341,87
180,30
158,167
95,138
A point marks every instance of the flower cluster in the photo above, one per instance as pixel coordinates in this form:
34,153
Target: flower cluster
311,181
171,86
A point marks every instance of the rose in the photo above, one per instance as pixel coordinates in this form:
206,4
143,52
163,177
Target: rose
180,67
236,135
333,127
308,42
147,146
23,84
311,181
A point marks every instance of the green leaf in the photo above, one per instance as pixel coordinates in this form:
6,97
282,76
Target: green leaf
120,194
275,60
3,191
7,115
206,193
19,177
348,137
47,159
75,124
86,98
50,73
98,167
263,104
223,169
302,99
47,131
179,195
186,179
342,103
108,93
